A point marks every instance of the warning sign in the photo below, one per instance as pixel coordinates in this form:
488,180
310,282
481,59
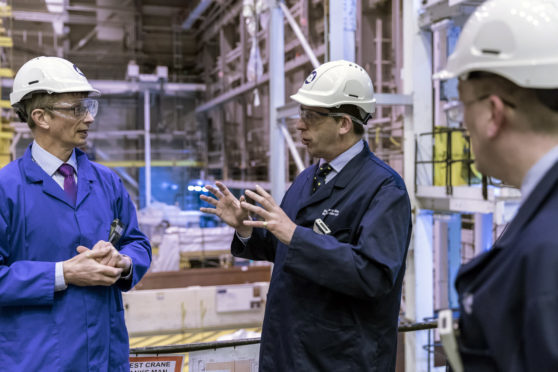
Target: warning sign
166,363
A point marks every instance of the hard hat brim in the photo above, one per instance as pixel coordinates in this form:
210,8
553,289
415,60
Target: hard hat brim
303,100
308,101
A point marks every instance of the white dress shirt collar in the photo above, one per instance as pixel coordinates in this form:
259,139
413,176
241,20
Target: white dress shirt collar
340,161
48,162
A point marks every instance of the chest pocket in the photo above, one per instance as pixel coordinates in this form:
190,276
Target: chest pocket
95,216
339,223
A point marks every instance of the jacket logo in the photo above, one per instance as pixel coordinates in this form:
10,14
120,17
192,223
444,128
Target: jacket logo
330,212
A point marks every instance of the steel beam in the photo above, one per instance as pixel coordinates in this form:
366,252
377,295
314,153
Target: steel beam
483,232
277,159
108,87
443,10
154,163
416,76
419,274
342,29
291,145
454,256
151,10
225,97
44,17
196,13
303,42
214,27
388,99
147,142
98,25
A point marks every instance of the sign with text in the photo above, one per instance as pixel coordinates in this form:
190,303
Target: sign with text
242,358
165,363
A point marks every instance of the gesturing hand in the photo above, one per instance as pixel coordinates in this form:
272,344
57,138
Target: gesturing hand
275,219
227,207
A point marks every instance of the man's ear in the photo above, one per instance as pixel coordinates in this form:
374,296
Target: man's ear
40,118
497,117
346,125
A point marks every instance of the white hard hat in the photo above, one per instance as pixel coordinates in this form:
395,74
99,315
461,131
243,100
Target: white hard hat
516,39
338,83
50,75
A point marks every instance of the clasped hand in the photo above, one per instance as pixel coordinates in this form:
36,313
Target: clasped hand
235,212
101,265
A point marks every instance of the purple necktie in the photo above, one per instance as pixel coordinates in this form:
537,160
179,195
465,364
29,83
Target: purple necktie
70,186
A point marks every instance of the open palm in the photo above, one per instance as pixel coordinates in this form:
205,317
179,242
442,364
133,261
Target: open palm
227,207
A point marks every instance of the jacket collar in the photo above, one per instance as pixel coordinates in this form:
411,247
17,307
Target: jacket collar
527,210
33,173
531,205
338,182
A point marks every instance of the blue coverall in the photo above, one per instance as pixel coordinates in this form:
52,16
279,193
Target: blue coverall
80,328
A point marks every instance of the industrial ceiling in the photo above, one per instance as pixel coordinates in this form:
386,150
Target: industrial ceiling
103,36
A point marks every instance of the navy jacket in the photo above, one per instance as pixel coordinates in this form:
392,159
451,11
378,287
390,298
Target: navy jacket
333,301
509,295
80,328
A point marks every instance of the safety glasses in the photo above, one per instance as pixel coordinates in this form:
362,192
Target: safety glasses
311,117
455,110
79,109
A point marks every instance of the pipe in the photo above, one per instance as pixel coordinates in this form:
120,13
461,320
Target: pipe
195,14
292,146
211,346
147,128
277,158
299,34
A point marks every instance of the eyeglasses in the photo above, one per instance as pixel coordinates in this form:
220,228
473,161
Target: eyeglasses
455,110
311,117
80,110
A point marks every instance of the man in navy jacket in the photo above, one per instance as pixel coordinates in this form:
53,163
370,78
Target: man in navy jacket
338,240
507,62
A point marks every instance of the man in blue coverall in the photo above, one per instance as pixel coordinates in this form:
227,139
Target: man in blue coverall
338,240
60,279
506,60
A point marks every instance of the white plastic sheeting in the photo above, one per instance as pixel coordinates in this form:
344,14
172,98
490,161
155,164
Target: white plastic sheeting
208,242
